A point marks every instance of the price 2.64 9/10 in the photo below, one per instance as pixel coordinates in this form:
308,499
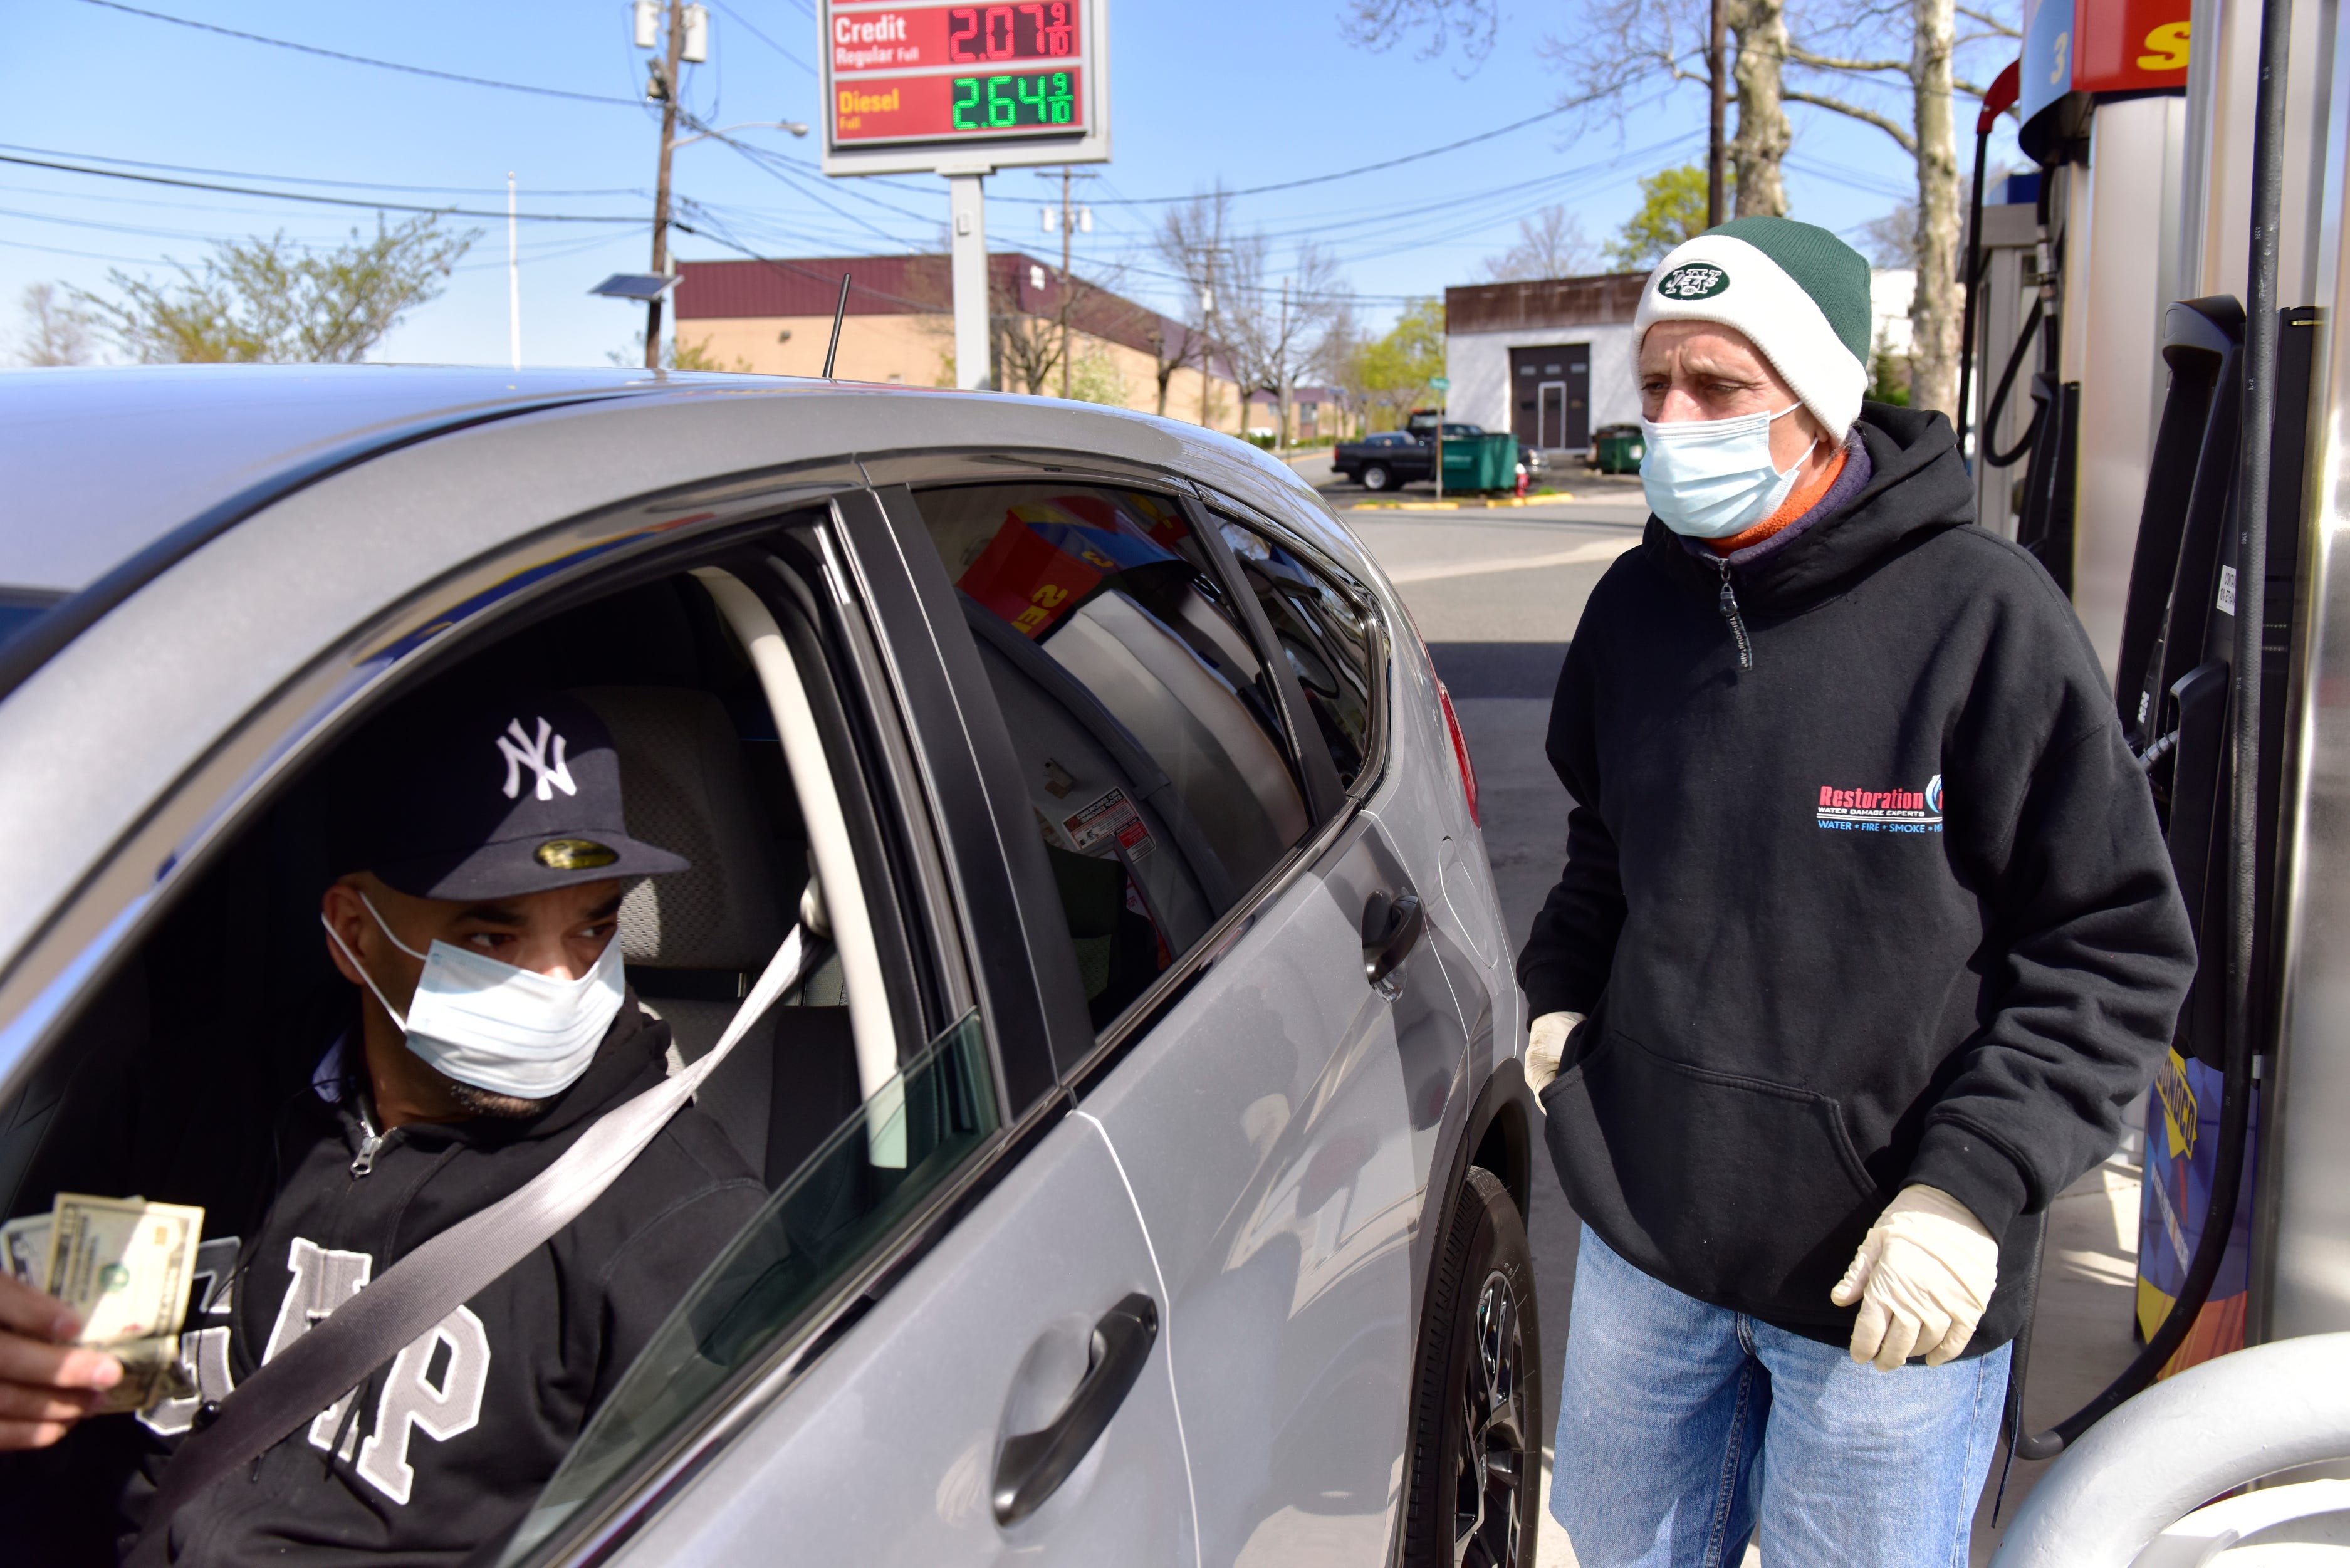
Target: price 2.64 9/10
1005,102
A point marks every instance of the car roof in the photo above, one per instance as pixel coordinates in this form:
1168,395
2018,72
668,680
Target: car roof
98,465
99,462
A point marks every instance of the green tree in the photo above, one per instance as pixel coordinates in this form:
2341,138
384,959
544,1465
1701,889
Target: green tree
1888,374
1391,373
275,301
1672,209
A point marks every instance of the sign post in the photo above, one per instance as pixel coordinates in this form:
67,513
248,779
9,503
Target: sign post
929,86
1439,385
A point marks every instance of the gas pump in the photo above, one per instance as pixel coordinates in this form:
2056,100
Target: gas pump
2176,390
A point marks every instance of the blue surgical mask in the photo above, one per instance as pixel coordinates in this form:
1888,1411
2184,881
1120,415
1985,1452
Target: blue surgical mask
1709,479
507,1030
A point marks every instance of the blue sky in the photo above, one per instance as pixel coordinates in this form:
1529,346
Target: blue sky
1204,91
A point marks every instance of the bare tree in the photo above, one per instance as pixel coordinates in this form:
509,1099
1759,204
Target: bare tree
1891,241
1190,242
1760,147
1926,73
1617,51
1550,244
1280,319
55,333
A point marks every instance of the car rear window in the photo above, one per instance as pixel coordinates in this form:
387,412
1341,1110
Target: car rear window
1327,637
20,607
1147,721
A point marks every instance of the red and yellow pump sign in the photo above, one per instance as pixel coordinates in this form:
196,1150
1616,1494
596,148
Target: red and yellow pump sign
2101,46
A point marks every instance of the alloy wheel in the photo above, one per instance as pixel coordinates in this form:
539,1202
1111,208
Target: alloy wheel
1488,1450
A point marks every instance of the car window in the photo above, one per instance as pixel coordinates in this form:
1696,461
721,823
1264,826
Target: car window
214,1068
867,1175
1327,637
1147,724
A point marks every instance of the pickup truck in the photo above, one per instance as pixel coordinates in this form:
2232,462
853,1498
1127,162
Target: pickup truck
1393,459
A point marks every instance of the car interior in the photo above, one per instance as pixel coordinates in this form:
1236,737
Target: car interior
168,1084
1151,738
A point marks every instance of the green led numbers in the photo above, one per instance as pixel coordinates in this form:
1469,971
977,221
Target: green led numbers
1006,102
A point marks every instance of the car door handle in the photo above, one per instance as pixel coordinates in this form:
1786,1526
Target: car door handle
1391,931
1034,1465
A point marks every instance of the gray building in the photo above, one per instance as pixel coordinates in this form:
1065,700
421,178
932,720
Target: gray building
1549,360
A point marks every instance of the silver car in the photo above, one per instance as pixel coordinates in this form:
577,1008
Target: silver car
1146,1163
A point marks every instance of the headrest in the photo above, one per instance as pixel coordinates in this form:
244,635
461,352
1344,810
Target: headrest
682,786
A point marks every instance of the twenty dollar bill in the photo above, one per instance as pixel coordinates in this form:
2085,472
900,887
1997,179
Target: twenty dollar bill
124,1266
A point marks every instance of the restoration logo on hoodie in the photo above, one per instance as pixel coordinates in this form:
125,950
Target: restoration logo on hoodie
1882,810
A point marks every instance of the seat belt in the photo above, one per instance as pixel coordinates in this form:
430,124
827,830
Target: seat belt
344,1350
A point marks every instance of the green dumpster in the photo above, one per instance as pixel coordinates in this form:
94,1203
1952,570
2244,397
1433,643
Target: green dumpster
1487,462
1620,449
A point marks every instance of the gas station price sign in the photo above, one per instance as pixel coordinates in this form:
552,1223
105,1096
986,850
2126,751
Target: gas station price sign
997,80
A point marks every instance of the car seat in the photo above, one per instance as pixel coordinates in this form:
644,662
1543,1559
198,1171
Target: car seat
695,940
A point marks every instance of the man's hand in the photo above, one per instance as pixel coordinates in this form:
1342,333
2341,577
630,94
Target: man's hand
47,1382
1545,1045
1922,1277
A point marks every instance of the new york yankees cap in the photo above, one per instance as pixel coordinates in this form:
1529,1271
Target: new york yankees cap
488,799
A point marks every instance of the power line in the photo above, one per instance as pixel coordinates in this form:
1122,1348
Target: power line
362,59
305,196
762,37
315,179
1349,174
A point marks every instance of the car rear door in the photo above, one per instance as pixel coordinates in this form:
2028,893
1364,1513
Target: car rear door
1276,1108
1282,1122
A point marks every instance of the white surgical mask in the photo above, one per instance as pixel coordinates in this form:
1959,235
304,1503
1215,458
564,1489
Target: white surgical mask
507,1030
1711,478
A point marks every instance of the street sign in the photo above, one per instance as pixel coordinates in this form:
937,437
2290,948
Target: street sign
1438,384
921,87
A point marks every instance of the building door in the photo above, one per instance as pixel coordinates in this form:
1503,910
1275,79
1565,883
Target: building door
1550,415
1549,395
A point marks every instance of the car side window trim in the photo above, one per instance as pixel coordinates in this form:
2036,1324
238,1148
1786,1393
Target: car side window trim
1324,795
1299,544
994,858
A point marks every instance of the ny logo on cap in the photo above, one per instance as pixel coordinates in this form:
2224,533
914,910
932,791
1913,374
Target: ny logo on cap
522,752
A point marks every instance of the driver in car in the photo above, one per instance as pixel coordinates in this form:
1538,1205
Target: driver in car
493,1026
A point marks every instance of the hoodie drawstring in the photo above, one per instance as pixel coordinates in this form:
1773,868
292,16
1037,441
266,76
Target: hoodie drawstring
1729,602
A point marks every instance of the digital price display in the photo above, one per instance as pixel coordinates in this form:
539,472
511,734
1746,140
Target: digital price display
913,71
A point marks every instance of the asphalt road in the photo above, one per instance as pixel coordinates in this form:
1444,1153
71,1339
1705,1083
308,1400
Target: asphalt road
1496,594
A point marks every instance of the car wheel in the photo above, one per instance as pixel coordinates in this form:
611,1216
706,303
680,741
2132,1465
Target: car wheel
1477,1412
1375,477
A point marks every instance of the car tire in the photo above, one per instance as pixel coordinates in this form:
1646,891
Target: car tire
1477,1431
1376,477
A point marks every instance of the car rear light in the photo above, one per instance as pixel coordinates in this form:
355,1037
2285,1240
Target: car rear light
1460,752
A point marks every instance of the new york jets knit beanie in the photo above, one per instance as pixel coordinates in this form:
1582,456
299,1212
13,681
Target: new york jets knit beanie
1798,292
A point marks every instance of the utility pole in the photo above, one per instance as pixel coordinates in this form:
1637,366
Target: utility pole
1281,406
1071,219
1718,91
664,87
514,281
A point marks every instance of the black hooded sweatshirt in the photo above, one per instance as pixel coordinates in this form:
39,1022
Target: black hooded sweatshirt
447,1445
1862,888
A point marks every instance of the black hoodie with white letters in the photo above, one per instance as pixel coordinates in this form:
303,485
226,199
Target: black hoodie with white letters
1862,888
447,1445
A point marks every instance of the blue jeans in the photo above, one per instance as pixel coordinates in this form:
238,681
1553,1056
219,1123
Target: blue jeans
1684,1429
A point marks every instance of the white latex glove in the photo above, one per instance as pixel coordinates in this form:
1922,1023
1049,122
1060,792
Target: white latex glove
1545,1045
1922,1277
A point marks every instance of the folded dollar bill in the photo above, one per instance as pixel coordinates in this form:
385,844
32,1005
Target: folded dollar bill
25,1251
124,1266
